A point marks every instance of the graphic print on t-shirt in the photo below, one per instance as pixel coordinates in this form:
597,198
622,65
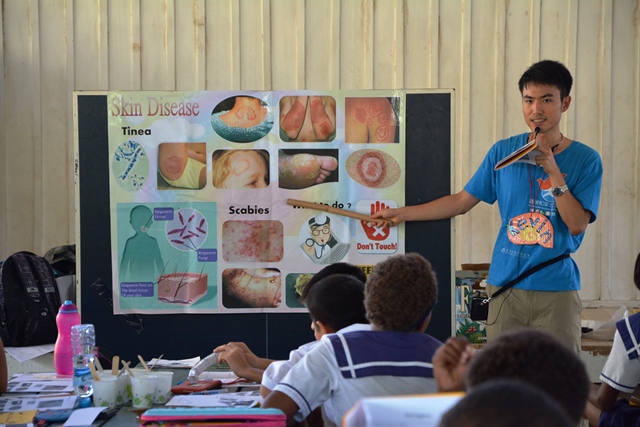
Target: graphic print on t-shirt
545,188
530,229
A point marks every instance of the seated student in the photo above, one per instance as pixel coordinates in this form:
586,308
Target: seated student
336,306
394,358
3,369
506,403
244,363
621,372
530,355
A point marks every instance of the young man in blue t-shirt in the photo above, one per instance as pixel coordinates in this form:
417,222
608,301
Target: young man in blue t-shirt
545,208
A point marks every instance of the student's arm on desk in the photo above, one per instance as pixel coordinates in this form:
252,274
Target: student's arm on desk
603,396
252,359
235,358
601,399
3,369
279,400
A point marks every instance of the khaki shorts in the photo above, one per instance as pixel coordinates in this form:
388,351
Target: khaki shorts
556,312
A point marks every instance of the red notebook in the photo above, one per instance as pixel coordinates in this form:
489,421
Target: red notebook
188,388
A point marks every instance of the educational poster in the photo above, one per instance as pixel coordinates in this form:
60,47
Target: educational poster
199,183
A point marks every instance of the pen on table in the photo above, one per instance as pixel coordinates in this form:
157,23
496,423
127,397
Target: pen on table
208,392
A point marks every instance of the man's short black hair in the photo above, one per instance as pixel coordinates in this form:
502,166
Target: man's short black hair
547,72
337,301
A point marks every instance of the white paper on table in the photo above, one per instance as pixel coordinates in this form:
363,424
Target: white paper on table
27,403
40,386
41,376
22,354
604,331
247,399
84,416
182,363
227,377
407,411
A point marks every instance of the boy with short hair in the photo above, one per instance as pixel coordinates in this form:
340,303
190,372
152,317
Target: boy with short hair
530,355
394,358
244,363
506,403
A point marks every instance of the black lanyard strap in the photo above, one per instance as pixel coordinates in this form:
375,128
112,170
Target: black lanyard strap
526,274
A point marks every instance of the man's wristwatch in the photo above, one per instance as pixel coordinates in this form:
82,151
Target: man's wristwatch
559,191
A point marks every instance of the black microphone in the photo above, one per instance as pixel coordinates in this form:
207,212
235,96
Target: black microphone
535,132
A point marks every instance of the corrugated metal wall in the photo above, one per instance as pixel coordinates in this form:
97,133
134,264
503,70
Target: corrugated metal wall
478,47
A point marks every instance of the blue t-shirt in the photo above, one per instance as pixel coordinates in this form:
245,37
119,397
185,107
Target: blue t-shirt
532,230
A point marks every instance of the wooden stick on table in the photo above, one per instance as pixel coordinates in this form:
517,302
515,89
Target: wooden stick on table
144,364
115,362
334,210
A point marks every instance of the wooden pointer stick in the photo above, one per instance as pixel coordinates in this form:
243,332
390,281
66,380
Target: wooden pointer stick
336,211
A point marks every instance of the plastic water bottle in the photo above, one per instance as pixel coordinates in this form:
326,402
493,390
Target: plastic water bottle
63,353
83,342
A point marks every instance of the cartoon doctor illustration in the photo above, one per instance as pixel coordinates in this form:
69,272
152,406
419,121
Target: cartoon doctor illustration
321,241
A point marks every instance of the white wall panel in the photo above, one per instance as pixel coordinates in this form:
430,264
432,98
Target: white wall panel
124,45
478,48
157,43
222,49
22,125
255,45
190,31
288,44
54,167
356,39
322,37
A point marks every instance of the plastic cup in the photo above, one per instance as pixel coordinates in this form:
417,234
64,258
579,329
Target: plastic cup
163,386
105,391
123,384
143,388
121,387
136,372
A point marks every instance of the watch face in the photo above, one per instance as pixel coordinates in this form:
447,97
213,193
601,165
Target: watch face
557,191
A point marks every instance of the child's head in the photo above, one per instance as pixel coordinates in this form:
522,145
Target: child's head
335,302
400,293
512,403
550,73
336,268
538,358
240,169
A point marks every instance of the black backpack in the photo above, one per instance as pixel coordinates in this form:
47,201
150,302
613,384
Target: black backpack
29,301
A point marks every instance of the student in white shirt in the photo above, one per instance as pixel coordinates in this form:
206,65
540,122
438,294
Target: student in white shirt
245,364
621,373
394,358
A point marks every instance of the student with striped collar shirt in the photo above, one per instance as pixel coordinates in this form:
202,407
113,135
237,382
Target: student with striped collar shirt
621,373
394,358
